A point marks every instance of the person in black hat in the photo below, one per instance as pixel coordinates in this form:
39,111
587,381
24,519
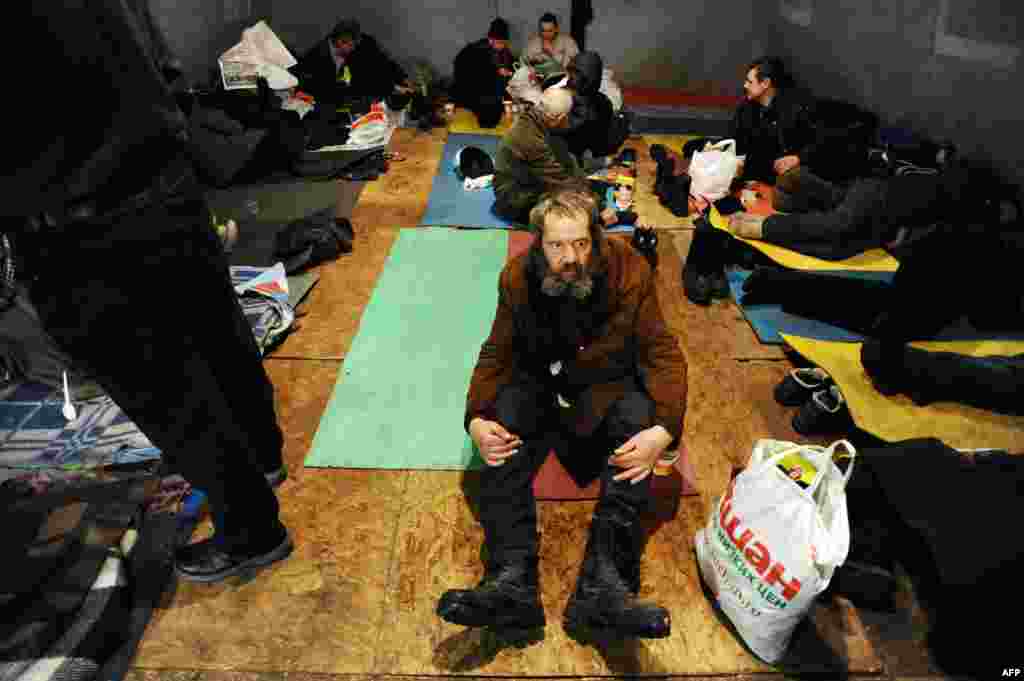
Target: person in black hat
482,71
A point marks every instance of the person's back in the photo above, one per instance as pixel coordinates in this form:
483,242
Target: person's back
531,160
592,112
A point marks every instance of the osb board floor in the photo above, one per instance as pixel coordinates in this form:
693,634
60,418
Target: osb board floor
374,550
718,329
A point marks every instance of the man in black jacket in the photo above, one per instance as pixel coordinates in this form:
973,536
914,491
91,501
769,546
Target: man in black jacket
773,127
128,276
349,64
482,71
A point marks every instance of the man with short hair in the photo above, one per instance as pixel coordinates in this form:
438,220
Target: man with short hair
773,126
578,345
482,71
350,64
532,161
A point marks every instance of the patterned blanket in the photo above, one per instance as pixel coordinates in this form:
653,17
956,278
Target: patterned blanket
38,444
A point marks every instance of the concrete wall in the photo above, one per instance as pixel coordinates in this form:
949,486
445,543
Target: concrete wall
200,30
881,54
699,45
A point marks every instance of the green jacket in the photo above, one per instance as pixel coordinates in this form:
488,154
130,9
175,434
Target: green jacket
530,159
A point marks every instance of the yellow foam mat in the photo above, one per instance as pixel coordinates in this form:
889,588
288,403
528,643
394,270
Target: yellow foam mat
673,142
464,121
897,418
875,260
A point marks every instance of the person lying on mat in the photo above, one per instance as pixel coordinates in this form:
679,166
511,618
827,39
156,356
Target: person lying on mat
100,211
532,160
550,51
348,65
578,345
482,71
871,213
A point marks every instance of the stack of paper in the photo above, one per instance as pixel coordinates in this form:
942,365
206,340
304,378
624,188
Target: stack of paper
260,53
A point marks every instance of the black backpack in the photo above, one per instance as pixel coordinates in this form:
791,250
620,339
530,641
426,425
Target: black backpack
312,240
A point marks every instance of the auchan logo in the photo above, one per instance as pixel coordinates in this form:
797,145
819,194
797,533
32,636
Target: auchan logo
757,555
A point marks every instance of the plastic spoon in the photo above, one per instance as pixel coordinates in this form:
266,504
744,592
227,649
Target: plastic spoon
69,409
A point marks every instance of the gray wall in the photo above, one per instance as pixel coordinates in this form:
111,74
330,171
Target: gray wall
647,42
198,31
881,54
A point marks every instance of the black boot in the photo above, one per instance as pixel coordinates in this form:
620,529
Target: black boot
506,598
605,600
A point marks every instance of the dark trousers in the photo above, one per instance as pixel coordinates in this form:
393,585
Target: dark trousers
145,302
837,232
800,190
954,535
508,509
488,109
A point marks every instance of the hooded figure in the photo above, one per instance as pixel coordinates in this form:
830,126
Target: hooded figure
591,117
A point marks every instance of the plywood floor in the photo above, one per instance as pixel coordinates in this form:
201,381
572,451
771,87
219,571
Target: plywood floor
374,550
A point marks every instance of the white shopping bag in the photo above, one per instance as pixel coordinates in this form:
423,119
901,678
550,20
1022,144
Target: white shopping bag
521,86
713,169
774,540
611,89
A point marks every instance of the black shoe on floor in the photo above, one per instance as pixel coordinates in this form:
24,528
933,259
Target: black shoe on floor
825,412
506,598
206,562
866,586
720,286
799,384
697,287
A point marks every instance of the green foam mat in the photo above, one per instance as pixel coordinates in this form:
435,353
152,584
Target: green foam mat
401,395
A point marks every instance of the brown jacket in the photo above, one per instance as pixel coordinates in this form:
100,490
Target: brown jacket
531,159
630,342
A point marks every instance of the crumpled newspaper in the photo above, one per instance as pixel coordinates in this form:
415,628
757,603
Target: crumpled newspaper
260,53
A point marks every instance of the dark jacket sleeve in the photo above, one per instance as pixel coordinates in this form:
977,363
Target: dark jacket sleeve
796,117
316,72
496,361
741,127
374,73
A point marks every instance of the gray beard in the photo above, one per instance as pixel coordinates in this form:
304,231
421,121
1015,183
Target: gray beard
579,288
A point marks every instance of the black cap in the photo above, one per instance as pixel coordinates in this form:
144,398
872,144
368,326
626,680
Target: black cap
498,30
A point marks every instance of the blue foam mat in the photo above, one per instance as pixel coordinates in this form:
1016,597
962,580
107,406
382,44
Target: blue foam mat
770,320
450,205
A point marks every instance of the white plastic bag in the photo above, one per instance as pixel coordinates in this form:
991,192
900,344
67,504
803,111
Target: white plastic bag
611,89
522,87
713,169
774,540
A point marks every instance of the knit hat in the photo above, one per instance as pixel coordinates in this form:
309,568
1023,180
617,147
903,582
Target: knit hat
473,162
498,30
